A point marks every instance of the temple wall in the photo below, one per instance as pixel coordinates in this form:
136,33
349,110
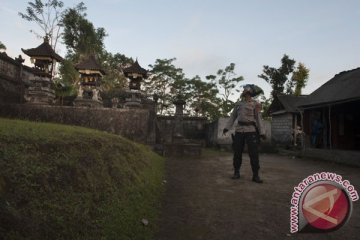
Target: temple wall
134,124
13,76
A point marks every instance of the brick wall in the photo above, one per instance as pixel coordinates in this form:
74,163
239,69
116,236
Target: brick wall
282,129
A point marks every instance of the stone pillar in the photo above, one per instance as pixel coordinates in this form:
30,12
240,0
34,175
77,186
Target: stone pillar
178,132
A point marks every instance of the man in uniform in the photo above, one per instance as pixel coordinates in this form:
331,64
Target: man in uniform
248,128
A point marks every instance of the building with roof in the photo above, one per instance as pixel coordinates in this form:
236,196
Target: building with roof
91,74
44,58
331,113
286,119
136,74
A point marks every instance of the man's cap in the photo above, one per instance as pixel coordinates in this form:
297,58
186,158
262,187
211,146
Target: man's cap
252,89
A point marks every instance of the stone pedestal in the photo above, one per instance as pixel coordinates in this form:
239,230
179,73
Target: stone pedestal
135,100
40,91
88,97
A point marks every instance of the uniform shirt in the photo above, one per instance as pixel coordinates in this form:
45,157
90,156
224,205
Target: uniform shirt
246,112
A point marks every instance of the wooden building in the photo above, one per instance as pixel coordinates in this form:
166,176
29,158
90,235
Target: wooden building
335,106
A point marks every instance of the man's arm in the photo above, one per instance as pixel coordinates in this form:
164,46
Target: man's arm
231,120
259,123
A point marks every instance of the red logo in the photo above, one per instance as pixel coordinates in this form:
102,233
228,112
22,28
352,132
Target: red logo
326,207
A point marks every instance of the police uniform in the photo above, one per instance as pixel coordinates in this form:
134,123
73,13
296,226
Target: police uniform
246,120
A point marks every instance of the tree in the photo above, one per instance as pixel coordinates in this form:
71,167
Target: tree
112,64
48,16
300,77
167,82
82,39
228,82
63,90
277,77
2,46
80,36
203,98
265,105
68,74
280,79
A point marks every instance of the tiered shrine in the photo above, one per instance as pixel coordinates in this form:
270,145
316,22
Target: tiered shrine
40,89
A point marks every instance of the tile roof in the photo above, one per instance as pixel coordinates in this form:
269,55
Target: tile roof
89,63
135,68
344,86
286,103
43,50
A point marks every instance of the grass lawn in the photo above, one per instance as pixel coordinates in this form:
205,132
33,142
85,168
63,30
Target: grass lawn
64,182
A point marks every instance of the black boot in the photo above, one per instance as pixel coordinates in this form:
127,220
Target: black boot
236,175
257,179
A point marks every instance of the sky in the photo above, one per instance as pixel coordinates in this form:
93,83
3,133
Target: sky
208,35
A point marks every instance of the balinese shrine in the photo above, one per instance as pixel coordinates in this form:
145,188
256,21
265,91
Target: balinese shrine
44,58
136,74
91,75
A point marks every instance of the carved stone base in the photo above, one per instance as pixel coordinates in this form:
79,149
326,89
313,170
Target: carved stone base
134,101
40,92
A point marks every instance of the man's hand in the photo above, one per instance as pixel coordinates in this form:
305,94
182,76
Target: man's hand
225,131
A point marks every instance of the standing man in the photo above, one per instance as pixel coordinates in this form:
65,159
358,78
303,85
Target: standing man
248,127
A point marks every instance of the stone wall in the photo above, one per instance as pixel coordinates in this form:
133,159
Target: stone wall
12,74
282,129
216,138
13,78
215,135
134,124
194,128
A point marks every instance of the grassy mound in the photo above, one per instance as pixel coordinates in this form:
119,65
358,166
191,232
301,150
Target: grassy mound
64,182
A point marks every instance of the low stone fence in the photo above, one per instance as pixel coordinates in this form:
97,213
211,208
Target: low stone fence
134,124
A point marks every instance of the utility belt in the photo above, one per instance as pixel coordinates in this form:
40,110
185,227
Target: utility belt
246,123
241,123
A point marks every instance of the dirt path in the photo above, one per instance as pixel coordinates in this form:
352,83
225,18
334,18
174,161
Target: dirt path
202,202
